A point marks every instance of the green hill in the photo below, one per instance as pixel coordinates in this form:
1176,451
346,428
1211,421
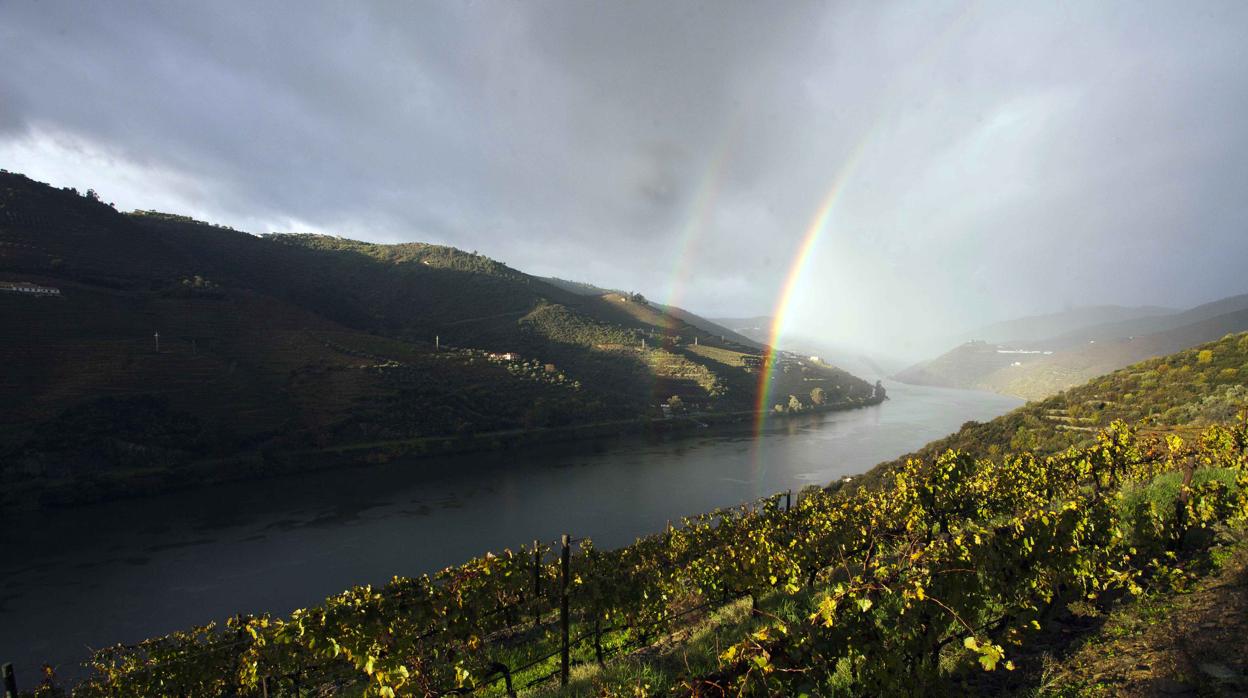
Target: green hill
273,348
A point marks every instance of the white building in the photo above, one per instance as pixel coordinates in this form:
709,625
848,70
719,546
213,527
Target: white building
29,288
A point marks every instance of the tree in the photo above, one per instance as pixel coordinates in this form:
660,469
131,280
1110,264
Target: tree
817,396
1024,439
795,405
1205,356
676,403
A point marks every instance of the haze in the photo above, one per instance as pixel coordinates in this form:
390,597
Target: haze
988,160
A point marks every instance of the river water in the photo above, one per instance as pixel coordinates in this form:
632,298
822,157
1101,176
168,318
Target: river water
71,580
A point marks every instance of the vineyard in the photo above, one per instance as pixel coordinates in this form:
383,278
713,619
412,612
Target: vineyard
952,566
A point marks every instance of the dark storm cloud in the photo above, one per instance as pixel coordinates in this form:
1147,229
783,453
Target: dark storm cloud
1010,159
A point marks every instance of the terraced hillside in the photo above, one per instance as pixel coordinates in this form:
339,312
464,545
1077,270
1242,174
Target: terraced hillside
175,342
1186,390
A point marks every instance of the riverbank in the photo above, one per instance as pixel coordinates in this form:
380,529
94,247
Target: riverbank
122,571
262,464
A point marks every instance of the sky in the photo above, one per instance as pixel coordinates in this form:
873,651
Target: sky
942,164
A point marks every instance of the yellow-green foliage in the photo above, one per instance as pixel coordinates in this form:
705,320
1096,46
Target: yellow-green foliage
957,560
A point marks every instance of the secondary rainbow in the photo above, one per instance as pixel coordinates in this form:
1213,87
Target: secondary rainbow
701,210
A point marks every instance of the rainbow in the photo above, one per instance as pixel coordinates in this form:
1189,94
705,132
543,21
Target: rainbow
800,261
701,209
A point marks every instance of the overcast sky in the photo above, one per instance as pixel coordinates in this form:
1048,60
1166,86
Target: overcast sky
994,159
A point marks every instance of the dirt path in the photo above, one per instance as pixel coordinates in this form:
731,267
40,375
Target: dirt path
1194,645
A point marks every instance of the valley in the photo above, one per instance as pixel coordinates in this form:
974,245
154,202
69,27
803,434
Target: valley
177,352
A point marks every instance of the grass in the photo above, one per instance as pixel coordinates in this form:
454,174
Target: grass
689,651
1164,489
1190,644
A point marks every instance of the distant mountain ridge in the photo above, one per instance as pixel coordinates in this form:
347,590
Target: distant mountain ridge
1043,327
717,328
1035,369
856,360
757,328
1151,324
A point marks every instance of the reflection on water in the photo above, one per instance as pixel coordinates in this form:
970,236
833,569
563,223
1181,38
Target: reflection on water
123,571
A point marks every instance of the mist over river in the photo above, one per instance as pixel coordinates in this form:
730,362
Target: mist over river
123,571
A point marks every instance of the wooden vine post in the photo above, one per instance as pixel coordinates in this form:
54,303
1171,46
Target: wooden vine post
564,555
10,682
1180,502
598,642
500,668
537,584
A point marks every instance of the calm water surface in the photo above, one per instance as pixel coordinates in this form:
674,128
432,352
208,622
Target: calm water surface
123,571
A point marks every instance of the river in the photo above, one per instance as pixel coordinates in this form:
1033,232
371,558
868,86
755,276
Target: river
122,571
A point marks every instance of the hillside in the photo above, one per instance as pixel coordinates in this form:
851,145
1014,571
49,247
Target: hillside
714,327
285,344
580,288
969,572
1037,369
1194,387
